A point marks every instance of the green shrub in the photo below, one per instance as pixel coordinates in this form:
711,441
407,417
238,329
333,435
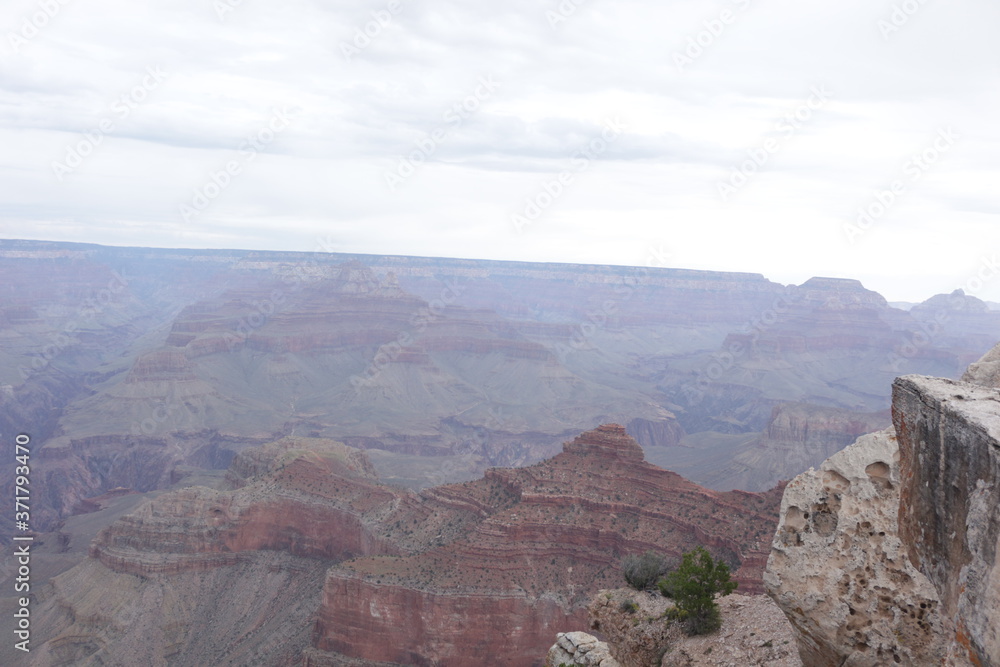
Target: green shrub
693,586
628,606
641,572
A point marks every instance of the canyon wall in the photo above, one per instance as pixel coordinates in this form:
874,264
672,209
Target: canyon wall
487,570
541,558
887,553
179,359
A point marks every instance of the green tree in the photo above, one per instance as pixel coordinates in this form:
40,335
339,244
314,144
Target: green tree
693,586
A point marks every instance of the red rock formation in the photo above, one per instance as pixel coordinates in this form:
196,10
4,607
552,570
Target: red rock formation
518,552
569,521
314,506
166,365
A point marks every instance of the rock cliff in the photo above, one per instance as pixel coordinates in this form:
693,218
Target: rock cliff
887,553
399,577
529,568
949,443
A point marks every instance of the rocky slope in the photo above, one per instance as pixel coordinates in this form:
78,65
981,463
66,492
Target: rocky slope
887,553
387,575
754,633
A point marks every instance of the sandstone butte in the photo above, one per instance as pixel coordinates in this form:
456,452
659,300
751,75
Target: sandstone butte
310,561
887,553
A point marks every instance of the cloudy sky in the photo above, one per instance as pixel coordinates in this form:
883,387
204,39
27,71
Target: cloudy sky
786,137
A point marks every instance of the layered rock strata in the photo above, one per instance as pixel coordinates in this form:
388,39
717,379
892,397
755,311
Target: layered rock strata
529,567
420,576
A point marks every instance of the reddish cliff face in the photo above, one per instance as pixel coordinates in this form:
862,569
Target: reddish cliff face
483,571
313,504
566,524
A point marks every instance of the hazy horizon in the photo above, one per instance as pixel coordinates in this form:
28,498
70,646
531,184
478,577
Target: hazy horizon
888,298
786,138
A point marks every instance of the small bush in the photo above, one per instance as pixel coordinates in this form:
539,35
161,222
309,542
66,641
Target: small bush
628,606
642,572
693,587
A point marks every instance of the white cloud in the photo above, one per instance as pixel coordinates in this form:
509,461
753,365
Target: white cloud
688,129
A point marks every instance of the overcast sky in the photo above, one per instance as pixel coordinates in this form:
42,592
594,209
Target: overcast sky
741,135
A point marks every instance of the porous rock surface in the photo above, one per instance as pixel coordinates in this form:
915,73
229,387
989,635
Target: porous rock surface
887,553
633,623
839,570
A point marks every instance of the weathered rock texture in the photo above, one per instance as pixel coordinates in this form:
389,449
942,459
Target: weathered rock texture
633,624
754,633
986,371
887,553
949,441
574,649
839,570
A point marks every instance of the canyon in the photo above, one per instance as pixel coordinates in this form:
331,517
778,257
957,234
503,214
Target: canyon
376,428
133,367
308,544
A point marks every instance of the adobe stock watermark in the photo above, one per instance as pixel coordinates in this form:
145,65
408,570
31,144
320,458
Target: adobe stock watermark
366,34
89,309
712,29
219,180
563,11
658,256
452,119
163,411
552,189
788,125
122,108
899,16
726,359
389,352
32,26
601,317
468,454
597,319
913,169
223,7
261,311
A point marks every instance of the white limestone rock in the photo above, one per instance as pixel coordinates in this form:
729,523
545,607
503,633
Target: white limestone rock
579,649
840,572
